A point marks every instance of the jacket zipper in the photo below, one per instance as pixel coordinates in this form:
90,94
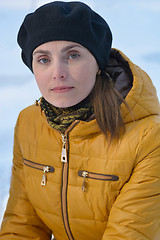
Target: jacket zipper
45,168
64,149
97,176
64,186
65,161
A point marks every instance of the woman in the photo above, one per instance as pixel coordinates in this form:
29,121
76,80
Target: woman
87,155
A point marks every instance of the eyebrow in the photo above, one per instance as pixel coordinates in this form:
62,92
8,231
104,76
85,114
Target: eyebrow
46,52
70,47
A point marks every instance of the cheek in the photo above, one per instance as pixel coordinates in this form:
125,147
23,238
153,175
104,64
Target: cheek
90,78
86,73
41,76
38,74
90,70
40,80
92,82
87,83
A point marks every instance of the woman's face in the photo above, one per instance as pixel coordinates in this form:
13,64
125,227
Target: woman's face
64,71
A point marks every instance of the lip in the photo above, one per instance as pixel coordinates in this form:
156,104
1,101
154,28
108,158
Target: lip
61,89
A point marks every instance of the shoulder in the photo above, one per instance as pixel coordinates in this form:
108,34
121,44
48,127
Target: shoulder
30,112
30,123
151,127
32,109
29,117
140,139
148,131
149,140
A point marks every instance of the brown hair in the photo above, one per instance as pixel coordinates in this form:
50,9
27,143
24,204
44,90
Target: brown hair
106,100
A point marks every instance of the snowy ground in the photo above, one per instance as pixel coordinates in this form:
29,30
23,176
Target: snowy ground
136,32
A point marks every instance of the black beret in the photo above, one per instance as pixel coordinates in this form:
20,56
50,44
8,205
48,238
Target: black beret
67,21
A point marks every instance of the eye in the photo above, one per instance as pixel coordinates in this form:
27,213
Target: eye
73,55
43,60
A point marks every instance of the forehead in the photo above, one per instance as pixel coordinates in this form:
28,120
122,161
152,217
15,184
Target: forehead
62,45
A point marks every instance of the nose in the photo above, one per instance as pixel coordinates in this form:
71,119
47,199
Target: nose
59,71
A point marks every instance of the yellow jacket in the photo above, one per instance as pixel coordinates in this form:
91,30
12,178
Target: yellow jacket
76,186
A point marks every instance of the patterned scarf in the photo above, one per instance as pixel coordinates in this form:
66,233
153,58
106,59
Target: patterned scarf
61,118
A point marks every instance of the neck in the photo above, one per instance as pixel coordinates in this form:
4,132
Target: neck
61,118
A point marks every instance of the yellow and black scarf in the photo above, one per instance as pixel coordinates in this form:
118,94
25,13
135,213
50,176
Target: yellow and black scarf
61,118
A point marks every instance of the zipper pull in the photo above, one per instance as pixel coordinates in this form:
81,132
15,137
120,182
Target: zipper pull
85,175
44,177
64,150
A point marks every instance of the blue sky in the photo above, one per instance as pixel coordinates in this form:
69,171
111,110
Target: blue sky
136,31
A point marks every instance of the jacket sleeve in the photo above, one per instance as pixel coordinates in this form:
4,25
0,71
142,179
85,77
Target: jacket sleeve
136,212
20,220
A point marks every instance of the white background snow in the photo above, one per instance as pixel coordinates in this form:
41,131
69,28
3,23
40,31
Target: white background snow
136,31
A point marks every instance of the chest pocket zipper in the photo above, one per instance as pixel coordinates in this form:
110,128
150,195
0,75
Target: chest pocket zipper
45,168
97,176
